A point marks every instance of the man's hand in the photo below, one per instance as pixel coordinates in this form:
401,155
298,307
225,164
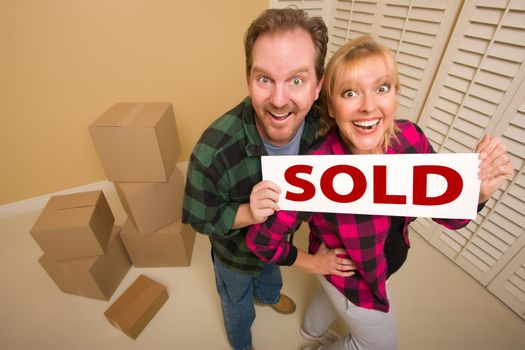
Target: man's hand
326,262
263,203
333,262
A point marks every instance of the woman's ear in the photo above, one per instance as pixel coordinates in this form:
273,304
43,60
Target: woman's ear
331,113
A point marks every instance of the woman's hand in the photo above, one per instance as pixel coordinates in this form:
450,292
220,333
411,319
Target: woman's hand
495,166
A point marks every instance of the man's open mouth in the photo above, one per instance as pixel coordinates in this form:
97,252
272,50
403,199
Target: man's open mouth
280,116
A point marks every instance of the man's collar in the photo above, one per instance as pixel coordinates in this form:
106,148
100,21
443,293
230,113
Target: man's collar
254,144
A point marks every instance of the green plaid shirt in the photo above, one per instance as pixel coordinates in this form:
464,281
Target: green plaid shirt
224,166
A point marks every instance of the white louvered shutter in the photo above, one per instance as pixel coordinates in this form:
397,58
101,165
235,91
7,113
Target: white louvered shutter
509,285
479,88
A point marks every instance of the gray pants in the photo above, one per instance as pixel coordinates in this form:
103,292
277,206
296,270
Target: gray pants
369,329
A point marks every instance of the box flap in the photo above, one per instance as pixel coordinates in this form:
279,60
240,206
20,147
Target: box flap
135,115
119,114
150,115
73,200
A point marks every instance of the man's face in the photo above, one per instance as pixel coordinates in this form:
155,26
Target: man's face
282,83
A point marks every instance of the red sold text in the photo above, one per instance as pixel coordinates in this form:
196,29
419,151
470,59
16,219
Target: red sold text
380,196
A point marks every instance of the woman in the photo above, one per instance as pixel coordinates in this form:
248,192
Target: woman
359,95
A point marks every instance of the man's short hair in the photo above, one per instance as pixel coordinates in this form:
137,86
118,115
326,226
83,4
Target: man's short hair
282,20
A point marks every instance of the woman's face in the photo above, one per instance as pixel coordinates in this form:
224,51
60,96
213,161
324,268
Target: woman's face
363,104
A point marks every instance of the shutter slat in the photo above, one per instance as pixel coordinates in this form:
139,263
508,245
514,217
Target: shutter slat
514,19
480,30
487,15
486,93
478,262
506,52
477,104
494,240
451,243
511,36
498,66
475,45
468,59
479,253
517,292
460,86
496,81
475,117
462,71
487,248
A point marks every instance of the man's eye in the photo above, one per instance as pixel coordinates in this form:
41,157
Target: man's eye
297,81
264,80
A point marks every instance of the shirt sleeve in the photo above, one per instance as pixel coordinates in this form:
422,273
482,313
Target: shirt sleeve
269,240
207,207
452,224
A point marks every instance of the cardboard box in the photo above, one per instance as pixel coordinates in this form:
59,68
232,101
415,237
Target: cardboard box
153,205
169,246
137,142
74,226
135,308
96,277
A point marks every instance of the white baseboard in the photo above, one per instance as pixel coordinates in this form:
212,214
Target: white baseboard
37,203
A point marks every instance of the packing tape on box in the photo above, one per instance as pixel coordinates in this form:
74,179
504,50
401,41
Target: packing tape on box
132,114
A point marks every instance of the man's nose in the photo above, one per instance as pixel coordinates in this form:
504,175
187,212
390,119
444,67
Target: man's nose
279,96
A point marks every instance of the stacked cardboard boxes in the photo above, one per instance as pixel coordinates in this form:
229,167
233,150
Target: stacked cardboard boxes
137,144
83,252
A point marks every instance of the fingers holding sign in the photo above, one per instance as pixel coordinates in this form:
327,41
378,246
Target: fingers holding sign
495,166
263,200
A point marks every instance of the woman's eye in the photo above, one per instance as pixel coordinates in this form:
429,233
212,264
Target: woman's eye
297,81
349,93
384,88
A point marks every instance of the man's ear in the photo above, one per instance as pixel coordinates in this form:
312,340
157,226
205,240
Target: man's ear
318,88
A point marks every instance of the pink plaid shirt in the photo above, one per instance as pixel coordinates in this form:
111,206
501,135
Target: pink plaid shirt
362,236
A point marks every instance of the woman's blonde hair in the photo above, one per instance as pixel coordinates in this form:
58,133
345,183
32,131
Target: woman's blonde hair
350,57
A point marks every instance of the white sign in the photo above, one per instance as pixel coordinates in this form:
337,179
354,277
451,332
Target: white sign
418,185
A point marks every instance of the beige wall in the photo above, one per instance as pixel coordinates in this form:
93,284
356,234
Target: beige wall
64,62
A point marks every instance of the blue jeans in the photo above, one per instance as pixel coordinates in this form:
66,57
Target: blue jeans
237,291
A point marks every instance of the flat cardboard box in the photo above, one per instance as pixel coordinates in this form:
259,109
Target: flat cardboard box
135,308
167,247
74,226
137,142
153,205
96,277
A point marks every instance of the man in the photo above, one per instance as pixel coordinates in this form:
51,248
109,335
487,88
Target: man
285,52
